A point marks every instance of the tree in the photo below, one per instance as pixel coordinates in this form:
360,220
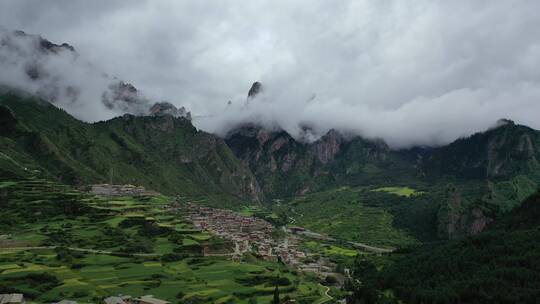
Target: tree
276,296
330,279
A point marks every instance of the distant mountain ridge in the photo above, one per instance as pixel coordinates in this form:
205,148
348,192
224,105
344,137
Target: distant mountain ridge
484,175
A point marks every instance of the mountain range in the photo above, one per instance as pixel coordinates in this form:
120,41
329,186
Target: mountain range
455,223
482,176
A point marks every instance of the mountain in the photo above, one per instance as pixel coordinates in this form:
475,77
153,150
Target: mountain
499,265
163,153
483,175
59,74
287,167
490,173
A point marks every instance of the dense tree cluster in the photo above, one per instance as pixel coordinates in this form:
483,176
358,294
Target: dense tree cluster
501,265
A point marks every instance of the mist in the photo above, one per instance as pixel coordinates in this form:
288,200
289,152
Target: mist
34,65
410,73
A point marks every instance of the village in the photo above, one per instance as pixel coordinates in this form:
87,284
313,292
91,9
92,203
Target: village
247,233
255,235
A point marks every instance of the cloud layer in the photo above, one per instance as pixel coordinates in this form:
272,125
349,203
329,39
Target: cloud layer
412,73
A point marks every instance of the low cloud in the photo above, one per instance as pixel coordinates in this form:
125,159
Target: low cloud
411,73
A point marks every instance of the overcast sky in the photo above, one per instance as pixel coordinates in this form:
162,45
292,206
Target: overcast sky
410,72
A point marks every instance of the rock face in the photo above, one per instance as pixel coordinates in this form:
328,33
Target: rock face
256,89
165,108
458,217
45,45
328,146
285,166
122,95
497,170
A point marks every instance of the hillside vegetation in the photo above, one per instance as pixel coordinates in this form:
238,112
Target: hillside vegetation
363,215
499,265
59,243
163,153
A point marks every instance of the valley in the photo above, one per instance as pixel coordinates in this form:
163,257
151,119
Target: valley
193,218
129,245
269,152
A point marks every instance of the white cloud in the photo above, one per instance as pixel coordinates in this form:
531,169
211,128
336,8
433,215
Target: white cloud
415,72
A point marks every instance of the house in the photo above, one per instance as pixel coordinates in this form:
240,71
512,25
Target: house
114,300
14,298
149,299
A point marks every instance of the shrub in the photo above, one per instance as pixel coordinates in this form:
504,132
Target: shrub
330,279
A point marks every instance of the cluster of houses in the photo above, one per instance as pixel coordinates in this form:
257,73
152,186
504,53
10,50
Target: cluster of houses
251,234
126,299
18,298
13,298
120,190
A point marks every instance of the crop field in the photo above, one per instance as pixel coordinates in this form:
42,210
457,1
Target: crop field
359,214
85,248
401,191
92,277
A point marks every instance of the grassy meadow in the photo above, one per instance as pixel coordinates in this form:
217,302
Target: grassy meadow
362,214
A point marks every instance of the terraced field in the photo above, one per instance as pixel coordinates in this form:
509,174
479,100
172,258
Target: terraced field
401,191
96,276
141,247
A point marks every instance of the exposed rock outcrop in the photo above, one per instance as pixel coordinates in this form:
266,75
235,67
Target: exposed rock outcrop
328,146
166,108
256,89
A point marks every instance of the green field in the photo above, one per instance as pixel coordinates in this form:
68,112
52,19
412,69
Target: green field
96,276
401,191
361,215
144,248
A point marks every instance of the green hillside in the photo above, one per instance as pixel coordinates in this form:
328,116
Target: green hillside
365,215
499,265
163,153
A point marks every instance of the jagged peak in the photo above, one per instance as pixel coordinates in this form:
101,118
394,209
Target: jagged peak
256,89
167,108
44,44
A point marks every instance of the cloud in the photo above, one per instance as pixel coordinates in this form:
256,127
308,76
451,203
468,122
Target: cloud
412,73
55,72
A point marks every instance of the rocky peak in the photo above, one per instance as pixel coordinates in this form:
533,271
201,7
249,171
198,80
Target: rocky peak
166,108
45,45
256,88
120,94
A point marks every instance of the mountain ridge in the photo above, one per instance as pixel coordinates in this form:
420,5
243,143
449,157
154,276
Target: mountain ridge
159,152
486,174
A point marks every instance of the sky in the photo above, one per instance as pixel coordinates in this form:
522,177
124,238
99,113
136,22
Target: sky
409,72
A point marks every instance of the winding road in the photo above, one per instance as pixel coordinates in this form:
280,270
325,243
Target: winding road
328,297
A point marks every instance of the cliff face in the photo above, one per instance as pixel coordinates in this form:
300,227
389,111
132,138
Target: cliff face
494,172
280,163
326,149
287,167
459,217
